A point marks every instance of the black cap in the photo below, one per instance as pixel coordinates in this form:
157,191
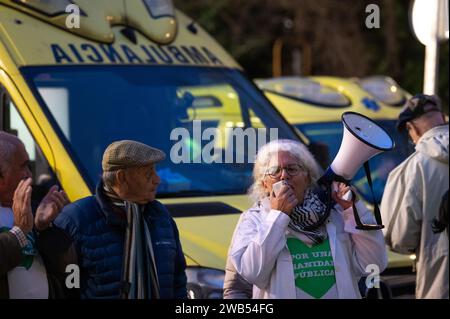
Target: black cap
416,106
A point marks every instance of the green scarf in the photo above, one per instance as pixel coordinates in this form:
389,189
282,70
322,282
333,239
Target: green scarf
28,252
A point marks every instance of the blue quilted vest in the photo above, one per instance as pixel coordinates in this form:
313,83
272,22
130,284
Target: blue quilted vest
98,233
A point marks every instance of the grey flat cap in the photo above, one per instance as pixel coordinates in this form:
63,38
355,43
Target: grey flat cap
126,153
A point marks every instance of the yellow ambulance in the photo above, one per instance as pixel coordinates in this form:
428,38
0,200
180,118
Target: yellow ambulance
78,75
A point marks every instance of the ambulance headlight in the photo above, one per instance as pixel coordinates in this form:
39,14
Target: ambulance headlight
160,8
47,7
384,89
204,283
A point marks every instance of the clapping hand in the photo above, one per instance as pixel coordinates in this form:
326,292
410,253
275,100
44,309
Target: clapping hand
50,207
23,217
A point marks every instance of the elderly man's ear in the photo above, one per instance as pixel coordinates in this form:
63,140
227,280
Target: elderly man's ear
413,131
3,186
121,180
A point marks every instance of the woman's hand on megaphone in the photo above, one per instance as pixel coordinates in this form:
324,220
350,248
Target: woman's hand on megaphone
285,201
339,193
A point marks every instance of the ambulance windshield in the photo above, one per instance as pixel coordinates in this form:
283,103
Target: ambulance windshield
209,121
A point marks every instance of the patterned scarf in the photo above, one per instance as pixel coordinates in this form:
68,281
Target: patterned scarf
306,217
140,279
29,251
140,270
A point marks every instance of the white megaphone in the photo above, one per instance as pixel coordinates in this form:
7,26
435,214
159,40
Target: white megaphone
362,140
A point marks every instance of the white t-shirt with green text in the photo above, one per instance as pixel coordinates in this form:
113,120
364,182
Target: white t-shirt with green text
313,269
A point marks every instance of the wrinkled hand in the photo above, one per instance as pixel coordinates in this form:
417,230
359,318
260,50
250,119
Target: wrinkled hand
50,207
285,201
23,217
342,189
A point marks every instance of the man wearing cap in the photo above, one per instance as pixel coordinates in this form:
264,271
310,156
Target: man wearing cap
128,244
413,194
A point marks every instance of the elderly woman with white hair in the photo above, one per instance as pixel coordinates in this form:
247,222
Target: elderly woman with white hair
284,246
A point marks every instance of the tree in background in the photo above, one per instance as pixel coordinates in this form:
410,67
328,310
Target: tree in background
333,31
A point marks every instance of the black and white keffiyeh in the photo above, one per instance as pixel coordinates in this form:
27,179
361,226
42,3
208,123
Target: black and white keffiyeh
307,217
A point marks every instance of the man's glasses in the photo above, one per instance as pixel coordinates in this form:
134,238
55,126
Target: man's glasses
292,170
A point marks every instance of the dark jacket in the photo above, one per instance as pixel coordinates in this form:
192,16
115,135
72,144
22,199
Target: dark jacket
55,257
10,257
98,232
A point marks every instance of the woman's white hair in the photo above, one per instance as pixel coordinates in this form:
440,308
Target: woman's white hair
265,153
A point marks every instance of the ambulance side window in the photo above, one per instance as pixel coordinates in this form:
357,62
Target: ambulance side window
12,122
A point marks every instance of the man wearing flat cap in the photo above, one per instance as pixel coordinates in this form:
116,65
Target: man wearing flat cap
127,243
413,194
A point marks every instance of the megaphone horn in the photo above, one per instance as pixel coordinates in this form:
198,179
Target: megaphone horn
362,140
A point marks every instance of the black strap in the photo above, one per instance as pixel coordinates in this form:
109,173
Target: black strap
359,224
375,204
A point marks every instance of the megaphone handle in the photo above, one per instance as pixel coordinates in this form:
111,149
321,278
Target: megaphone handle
375,204
347,196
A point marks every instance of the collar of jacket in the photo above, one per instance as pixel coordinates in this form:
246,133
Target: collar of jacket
115,215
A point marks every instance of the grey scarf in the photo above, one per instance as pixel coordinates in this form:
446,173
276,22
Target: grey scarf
139,262
306,217
140,278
